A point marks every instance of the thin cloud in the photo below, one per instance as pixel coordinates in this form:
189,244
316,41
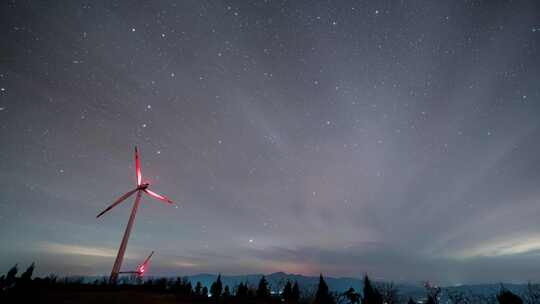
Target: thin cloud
72,249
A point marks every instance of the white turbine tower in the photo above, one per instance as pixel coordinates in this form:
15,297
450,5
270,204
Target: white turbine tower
141,187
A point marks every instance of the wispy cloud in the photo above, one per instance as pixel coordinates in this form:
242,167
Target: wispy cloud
73,249
185,264
503,247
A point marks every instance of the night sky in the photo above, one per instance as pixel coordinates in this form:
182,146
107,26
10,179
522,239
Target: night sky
397,138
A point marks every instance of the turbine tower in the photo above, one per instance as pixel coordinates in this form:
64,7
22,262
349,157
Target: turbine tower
141,187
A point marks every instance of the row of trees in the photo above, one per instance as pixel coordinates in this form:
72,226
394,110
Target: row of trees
371,293
289,294
384,293
10,280
388,294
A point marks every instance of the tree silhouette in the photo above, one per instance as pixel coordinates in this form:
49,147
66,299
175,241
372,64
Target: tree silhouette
25,280
198,288
263,291
411,301
204,292
216,288
286,294
242,291
352,296
10,277
431,300
371,294
507,297
178,286
295,296
323,295
433,293
532,296
389,293
226,291
27,275
188,288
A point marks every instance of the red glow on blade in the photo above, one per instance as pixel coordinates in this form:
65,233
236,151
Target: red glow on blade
158,196
138,167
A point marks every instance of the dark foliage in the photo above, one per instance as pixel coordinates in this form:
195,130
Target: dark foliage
323,295
10,277
263,291
204,292
371,294
431,300
242,291
182,287
216,288
352,296
51,289
507,297
532,296
198,289
27,275
389,293
286,293
432,293
295,293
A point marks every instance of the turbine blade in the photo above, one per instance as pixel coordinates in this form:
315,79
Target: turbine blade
148,258
118,201
144,266
138,167
158,196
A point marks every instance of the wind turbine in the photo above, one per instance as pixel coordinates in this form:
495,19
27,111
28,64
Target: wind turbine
141,187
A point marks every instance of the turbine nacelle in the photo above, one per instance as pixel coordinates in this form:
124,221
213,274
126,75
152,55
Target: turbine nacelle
143,186
140,187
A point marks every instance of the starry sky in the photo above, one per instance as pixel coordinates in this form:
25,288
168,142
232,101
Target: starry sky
397,138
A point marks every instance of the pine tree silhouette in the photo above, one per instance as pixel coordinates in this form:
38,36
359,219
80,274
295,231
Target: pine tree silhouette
198,289
507,297
352,296
286,294
323,295
226,291
204,292
263,291
10,277
242,291
27,275
25,280
216,288
188,288
295,297
371,294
